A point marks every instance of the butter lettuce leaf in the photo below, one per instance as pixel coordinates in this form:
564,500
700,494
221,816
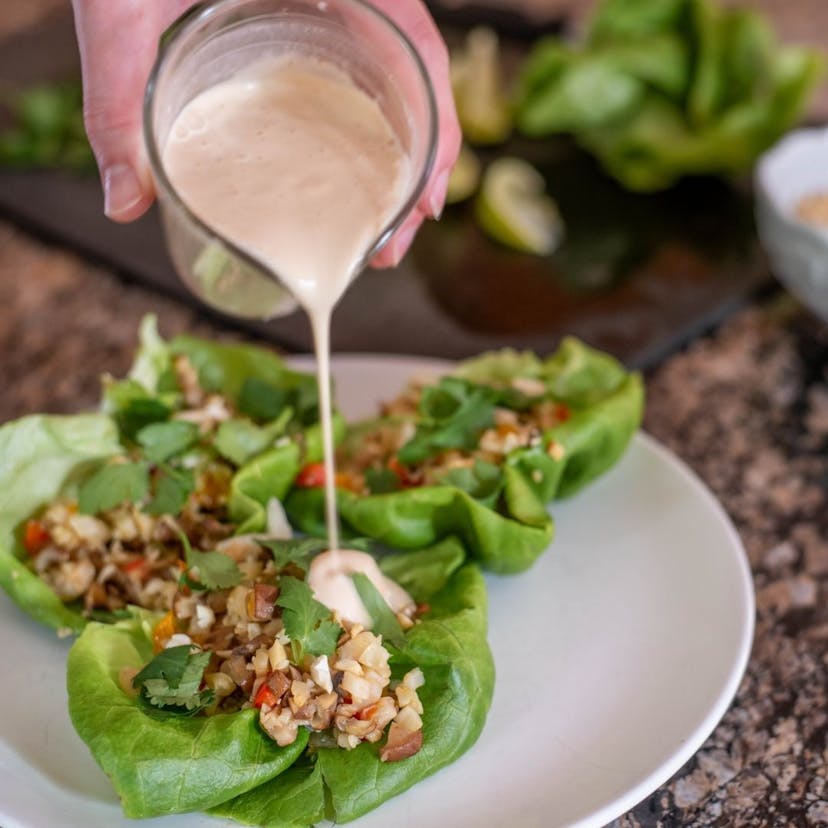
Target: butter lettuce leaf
41,458
505,535
674,88
226,764
169,765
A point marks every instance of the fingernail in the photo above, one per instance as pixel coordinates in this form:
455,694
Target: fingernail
402,241
122,189
438,194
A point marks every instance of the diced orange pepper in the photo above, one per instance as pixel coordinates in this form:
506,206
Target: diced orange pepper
164,630
35,536
345,480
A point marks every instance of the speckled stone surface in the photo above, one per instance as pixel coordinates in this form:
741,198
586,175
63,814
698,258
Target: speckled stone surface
746,407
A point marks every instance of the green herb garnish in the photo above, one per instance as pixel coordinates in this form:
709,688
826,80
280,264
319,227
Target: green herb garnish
214,569
453,415
307,623
161,441
172,681
261,400
112,485
384,621
172,488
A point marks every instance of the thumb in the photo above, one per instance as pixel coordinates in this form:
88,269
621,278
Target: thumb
117,46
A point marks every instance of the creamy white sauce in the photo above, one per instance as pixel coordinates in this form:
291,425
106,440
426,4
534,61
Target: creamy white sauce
330,579
296,165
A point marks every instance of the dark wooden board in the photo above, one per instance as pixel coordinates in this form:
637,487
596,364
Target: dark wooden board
636,275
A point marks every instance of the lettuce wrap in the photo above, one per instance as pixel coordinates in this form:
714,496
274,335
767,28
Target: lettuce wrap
497,507
225,763
47,459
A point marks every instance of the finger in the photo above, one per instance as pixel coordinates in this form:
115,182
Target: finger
414,19
392,254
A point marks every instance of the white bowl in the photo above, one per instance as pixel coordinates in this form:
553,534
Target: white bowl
798,252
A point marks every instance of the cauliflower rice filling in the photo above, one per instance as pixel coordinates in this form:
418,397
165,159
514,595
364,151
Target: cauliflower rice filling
377,449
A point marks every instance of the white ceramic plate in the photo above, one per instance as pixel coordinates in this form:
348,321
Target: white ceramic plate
616,654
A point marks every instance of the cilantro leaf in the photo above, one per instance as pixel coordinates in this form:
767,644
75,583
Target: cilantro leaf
112,485
240,440
382,481
307,623
214,570
161,441
172,488
452,415
133,407
173,680
322,640
385,622
299,551
261,400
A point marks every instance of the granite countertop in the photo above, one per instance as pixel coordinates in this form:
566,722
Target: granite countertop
746,407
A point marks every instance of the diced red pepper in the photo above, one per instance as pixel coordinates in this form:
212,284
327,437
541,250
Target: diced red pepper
138,567
311,476
562,412
264,695
407,477
366,713
35,536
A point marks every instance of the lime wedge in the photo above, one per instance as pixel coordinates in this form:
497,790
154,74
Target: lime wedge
477,82
513,208
464,177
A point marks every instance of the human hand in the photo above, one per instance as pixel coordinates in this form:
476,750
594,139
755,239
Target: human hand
118,43
414,19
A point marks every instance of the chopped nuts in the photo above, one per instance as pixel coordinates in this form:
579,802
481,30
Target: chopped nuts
321,673
555,450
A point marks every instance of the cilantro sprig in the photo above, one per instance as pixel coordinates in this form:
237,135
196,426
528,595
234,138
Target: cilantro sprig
172,681
213,570
163,440
308,623
453,414
301,551
385,623
111,485
172,488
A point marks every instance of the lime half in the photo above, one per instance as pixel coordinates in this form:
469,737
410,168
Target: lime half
477,81
514,209
465,176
